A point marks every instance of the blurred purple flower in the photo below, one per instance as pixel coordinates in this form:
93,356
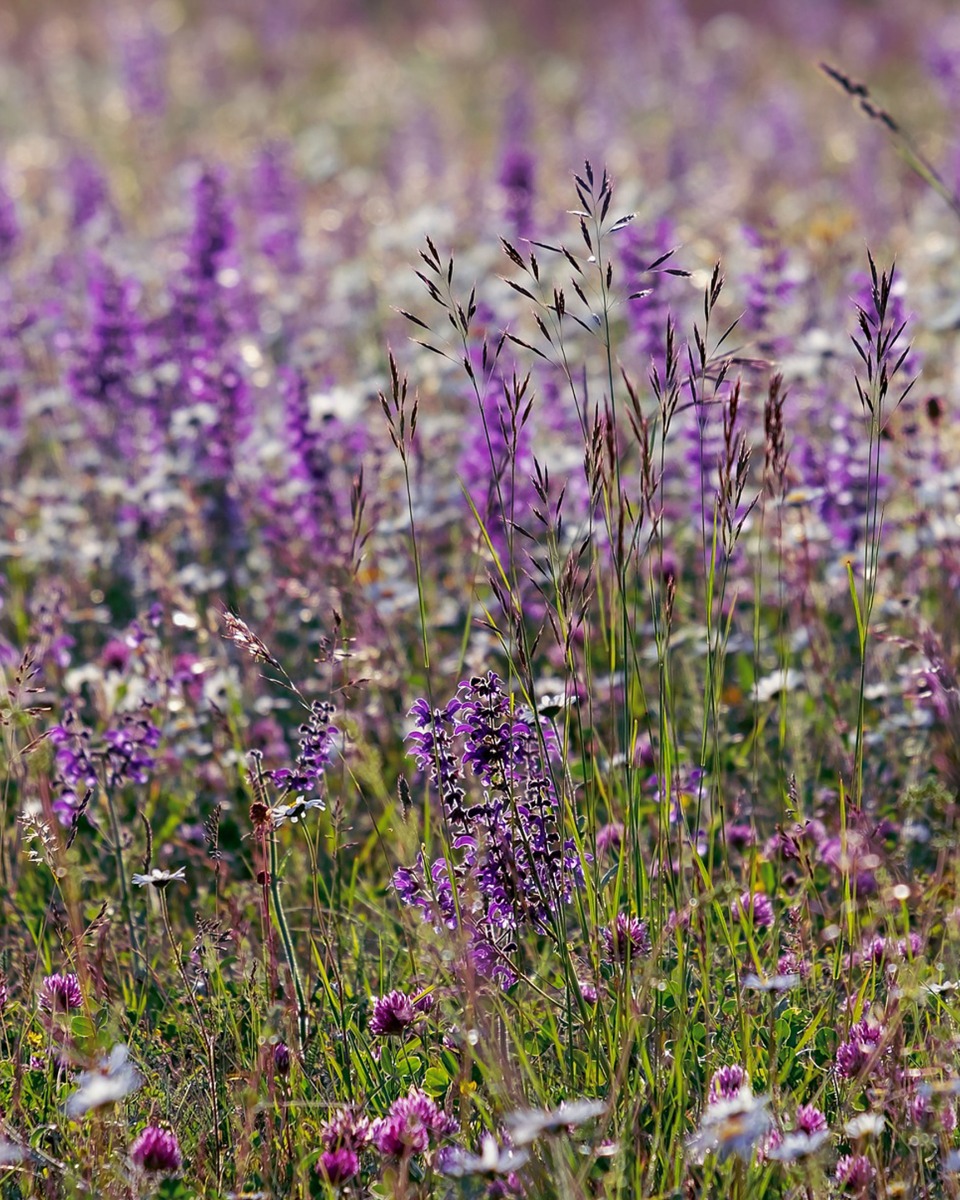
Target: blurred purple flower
626,940
810,1119
726,1083
854,1174
156,1150
339,1166
413,1125
859,1050
754,908
275,200
88,190
281,1058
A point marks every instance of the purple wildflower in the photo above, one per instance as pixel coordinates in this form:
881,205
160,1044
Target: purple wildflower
859,1050
511,869
755,908
9,225
923,1112
740,836
627,939
588,990
346,1130
768,288
200,313
392,1014
610,839
792,963
318,739
115,656
726,1083
156,1150
854,1173
413,1125
517,168
106,359
338,1166
76,772
281,1058
142,54
276,201
311,501
517,172
127,754
88,190
810,1119
60,993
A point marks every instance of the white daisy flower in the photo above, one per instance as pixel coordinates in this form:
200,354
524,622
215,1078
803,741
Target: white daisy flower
116,1078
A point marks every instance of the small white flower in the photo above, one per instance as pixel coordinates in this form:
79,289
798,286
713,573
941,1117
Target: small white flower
864,1125
770,983
732,1126
116,1078
798,1145
11,1153
935,989
939,1087
553,705
158,878
492,1160
281,813
780,681
529,1123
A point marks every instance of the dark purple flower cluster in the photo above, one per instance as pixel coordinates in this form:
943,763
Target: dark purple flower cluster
102,376
9,225
281,1058
396,1011
836,472
318,740
768,288
276,201
312,502
882,950
512,869
201,314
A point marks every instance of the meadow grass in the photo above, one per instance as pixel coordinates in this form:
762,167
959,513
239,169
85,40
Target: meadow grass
481,706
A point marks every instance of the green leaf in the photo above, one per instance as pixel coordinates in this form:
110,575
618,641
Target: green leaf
436,1080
